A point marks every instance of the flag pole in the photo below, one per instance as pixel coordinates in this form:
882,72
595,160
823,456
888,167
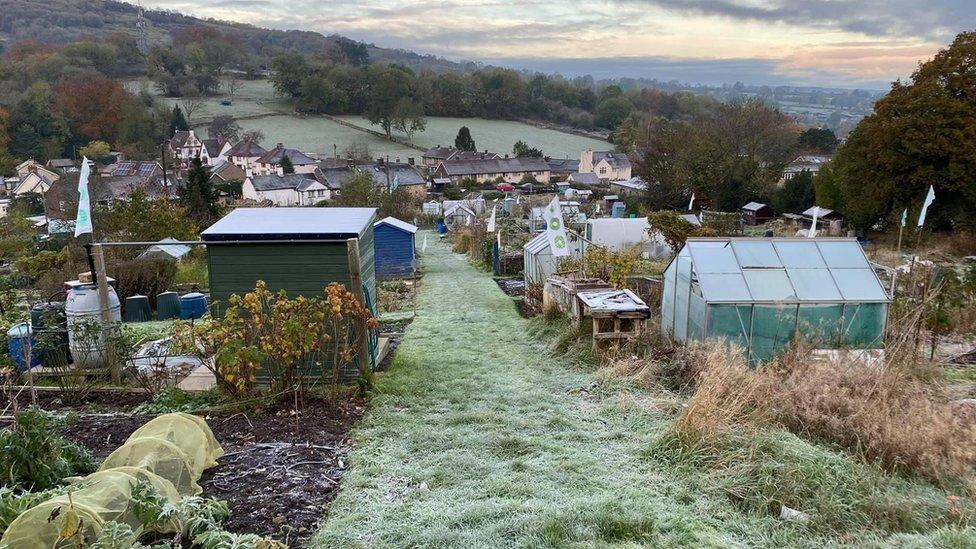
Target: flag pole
901,231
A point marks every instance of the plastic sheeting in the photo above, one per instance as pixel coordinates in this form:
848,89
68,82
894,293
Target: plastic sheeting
169,452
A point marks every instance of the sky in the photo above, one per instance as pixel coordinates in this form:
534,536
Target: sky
829,43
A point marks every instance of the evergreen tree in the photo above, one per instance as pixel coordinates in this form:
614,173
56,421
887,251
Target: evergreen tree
199,197
286,165
177,121
464,141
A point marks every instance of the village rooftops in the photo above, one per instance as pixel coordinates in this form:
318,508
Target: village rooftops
563,165
275,155
493,166
451,153
615,159
298,182
247,148
291,224
634,183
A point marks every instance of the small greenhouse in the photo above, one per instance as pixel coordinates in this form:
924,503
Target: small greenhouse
762,292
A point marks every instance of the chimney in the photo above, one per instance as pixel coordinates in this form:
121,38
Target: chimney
280,146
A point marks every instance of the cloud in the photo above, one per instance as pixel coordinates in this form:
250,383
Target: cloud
824,42
933,19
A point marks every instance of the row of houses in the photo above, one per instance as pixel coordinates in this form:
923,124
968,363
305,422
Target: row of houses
593,167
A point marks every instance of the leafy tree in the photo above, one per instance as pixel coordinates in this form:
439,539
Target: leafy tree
288,71
199,197
818,141
141,218
91,104
224,127
409,118
674,228
464,141
7,161
521,150
921,133
286,165
387,86
318,94
177,122
360,190
38,129
796,195
99,151
612,111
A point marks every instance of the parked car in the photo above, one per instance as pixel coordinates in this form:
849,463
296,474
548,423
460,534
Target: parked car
505,187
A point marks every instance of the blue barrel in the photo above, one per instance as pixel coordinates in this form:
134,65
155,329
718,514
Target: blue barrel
20,341
167,306
441,227
193,305
137,309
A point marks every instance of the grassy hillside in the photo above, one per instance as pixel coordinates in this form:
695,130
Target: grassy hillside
62,21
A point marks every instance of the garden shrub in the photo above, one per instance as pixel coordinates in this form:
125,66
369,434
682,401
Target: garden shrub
147,277
295,344
35,457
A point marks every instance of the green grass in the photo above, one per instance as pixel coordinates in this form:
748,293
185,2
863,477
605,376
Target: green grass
498,135
479,437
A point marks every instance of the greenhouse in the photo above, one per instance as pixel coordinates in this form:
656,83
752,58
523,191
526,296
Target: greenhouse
760,293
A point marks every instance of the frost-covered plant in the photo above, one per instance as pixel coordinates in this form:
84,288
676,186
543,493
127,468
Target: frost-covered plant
35,456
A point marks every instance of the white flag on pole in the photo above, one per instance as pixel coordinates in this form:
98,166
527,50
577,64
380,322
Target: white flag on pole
491,220
691,203
813,226
904,217
83,221
555,230
423,247
929,199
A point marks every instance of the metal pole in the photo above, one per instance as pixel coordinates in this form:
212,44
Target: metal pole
894,275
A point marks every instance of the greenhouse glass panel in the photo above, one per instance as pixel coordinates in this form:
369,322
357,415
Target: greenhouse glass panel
724,287
731,323
769,284
864,325
843,254
667,299
814,285
713,257
820,324
681,289
772,330
799,254
859,285
696,317
756,253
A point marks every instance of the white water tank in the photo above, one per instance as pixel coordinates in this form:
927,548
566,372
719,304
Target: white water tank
86,330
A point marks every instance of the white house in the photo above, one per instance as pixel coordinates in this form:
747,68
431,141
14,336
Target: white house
33,178
185,146
805,163
607,165
286,190
245,153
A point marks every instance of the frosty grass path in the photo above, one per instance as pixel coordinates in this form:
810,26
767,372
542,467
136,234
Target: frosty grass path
477,437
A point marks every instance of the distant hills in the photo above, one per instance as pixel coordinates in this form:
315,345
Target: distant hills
62,21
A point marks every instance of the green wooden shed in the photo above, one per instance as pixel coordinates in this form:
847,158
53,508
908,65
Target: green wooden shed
299,250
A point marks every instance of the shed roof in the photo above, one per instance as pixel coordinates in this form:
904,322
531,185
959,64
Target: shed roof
783,270
397,223
290,223
754,206
167,247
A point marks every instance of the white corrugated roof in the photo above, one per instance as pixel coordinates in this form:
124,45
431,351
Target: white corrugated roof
399,224
284,223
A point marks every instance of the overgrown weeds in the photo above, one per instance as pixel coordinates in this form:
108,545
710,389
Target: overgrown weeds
35,456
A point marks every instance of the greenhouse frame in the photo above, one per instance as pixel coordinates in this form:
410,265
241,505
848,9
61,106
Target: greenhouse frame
760,293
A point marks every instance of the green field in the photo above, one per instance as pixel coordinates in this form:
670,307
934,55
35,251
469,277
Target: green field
498,136
256,106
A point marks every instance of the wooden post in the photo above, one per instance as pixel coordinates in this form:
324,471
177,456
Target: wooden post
356,281
102,281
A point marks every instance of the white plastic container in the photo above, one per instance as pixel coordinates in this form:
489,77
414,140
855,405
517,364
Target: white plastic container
87,333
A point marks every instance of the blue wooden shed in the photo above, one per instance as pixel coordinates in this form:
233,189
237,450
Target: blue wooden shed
395,247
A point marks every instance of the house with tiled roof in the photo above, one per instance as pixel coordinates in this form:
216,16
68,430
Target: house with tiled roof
486,170
62,165
433,156
293,189
214,151
32,178
245,153
61,200
270,162
607,165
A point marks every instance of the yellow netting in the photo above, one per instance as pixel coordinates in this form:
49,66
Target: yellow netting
169,452
189,433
